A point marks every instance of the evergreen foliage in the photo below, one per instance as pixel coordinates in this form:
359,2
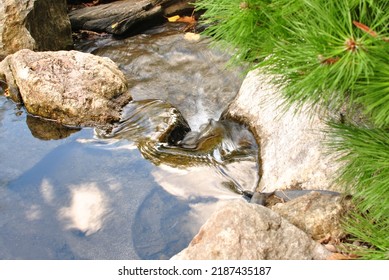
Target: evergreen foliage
325,52
366,175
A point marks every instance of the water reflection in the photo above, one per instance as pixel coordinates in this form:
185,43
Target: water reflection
88,207
87,197
224,150
76,202
48,130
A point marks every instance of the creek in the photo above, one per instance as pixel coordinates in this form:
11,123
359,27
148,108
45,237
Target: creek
77,194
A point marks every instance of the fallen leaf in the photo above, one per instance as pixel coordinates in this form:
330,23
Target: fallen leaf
186,19
173,18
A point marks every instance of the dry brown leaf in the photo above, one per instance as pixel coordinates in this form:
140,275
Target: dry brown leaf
186,19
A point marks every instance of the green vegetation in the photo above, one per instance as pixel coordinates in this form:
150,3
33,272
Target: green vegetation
334,54
366,176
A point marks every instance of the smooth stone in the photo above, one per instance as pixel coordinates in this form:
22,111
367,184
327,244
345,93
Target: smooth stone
245,231
292,144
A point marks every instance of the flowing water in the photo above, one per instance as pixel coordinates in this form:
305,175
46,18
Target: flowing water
88,194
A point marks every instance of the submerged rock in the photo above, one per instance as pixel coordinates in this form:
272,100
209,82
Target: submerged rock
230,135
37,25
149,120
292,150
243,231
70,87
164,137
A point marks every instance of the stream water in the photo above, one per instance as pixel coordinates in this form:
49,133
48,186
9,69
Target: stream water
71,194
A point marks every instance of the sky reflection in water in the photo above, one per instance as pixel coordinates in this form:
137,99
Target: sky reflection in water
85,198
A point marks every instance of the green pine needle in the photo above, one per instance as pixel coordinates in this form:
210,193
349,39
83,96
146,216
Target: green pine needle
366,176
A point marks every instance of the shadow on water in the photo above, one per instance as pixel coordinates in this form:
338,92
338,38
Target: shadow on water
135,193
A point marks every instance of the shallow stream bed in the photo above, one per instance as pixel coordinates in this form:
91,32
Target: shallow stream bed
70,194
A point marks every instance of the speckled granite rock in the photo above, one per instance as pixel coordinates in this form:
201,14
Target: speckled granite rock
243,231
317,214
70,87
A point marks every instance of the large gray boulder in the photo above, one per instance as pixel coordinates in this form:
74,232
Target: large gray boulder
292,149
70,87
34,24
243,231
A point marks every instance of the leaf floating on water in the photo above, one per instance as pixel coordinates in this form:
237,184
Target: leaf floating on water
173,18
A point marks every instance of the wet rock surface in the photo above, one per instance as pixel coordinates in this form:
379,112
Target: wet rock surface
127,17
292,161
37,25
149,120
293,152
243,231
70,87
164,137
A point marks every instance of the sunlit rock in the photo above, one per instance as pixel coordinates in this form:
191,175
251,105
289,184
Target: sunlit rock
243,231
70,87
319,215
292,144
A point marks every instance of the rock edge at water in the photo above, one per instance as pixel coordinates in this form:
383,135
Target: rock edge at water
70,87
243,231
292,149
292,156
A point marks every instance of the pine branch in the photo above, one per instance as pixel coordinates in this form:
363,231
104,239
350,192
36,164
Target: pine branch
332,53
